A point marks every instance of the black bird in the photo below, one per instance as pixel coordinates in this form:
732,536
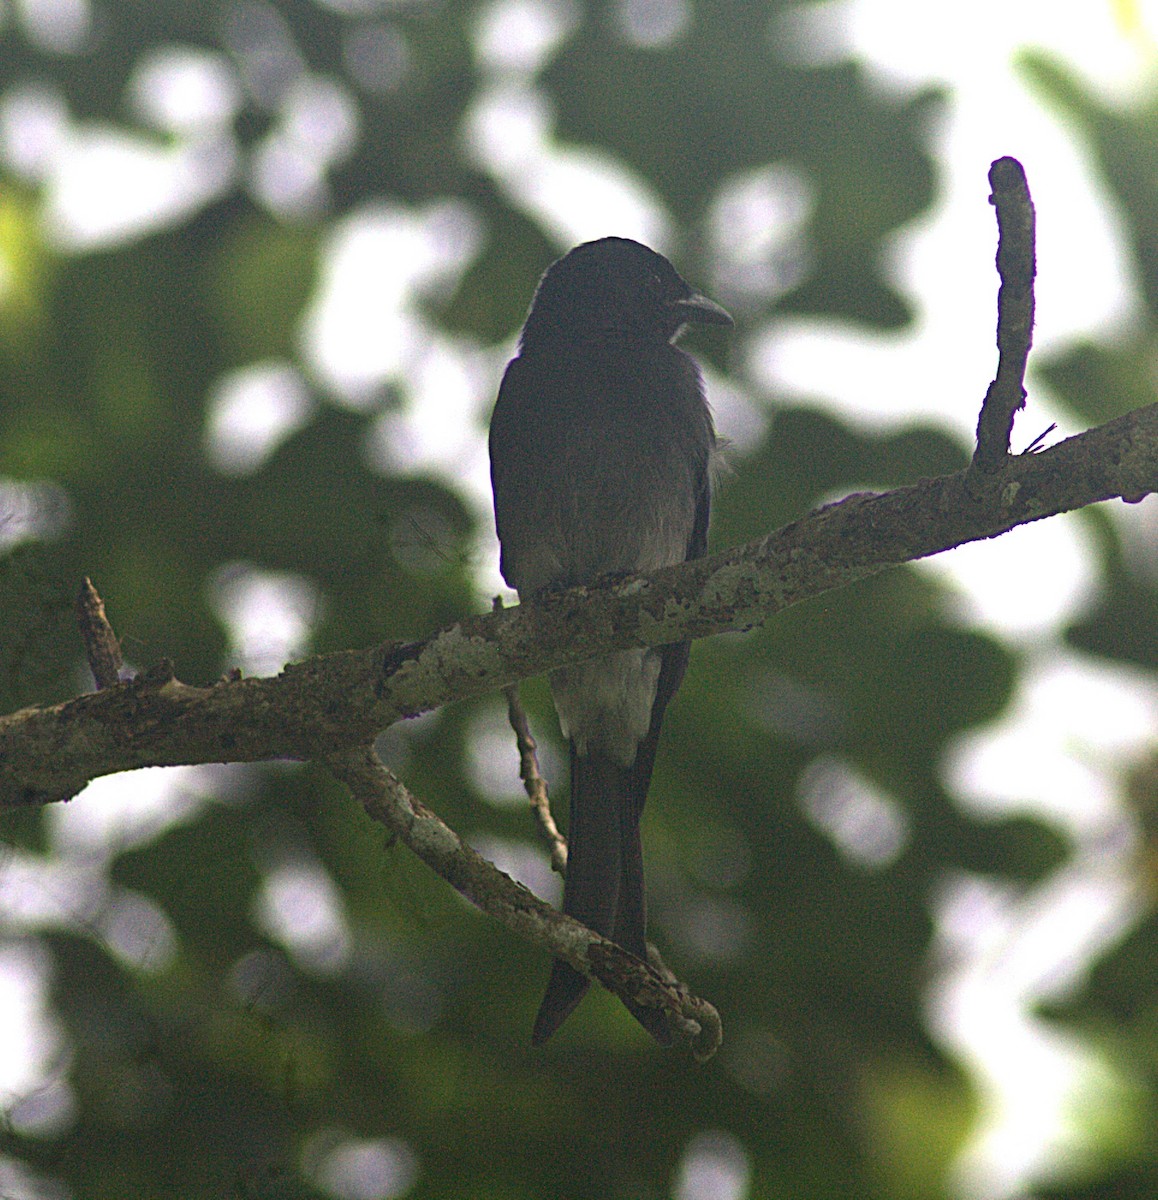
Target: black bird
600,446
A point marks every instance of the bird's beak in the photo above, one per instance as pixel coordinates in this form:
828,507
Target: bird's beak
701,311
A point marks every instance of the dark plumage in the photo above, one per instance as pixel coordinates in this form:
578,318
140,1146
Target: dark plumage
600,447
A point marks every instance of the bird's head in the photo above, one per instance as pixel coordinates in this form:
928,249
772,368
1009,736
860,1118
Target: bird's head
615,286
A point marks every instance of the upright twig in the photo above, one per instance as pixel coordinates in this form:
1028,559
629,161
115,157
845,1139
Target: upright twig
100,642
1016,265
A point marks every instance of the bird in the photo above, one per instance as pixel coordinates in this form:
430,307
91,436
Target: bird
601,448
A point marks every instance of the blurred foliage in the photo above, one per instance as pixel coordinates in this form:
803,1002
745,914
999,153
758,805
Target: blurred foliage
232,1068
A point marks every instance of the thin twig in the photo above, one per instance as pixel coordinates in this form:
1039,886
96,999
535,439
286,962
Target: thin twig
533,781
100,642
1038,443
1016,265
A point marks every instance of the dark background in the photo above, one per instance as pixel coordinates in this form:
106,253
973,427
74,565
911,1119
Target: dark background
386,1053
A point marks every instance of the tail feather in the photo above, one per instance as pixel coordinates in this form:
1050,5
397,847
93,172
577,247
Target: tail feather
565,989
604,887
630,930
594,867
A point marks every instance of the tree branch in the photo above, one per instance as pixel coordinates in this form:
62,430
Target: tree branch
387,800
335,701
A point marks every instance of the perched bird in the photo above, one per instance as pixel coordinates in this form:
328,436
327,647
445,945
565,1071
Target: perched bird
600,447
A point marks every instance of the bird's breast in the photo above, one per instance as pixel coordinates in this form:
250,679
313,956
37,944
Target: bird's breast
602,468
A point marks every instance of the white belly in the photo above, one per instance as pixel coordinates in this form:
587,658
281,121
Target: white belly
605,705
